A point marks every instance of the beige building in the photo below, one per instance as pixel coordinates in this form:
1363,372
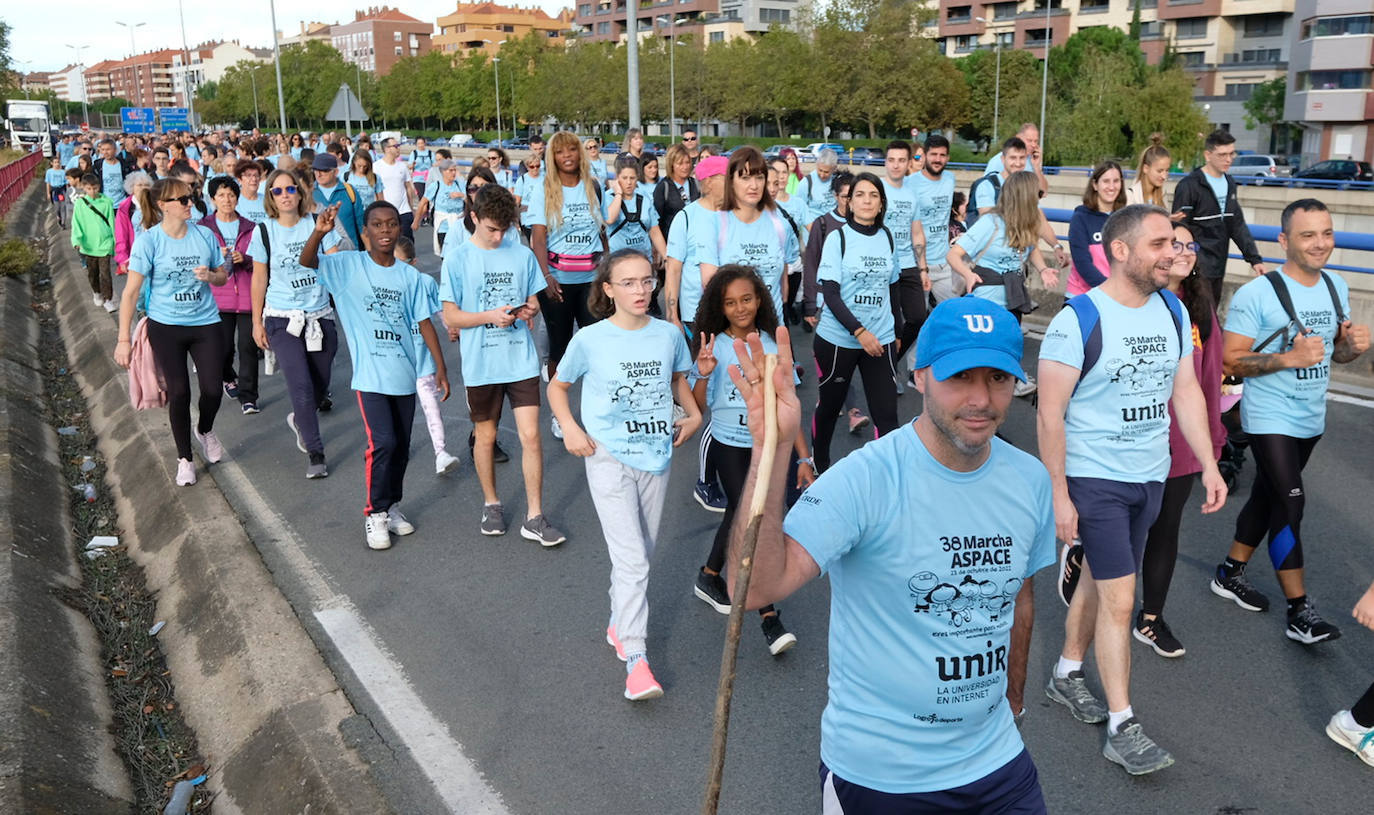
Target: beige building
208,63
481,26
1329,83
308,32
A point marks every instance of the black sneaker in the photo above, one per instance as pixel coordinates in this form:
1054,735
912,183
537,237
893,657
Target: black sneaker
1156,634
1307,626
1070,569
497,454
777,636
710,496
1237,589
326,404
231,389
710,588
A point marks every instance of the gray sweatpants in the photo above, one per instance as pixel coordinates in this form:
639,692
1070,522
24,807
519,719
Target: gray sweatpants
629,503
945,283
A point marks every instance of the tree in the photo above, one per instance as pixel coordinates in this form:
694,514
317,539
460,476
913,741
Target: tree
1265,107
1020,94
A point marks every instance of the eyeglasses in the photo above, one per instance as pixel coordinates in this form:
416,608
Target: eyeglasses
288,190
1190,246
647,284
184,200
689,138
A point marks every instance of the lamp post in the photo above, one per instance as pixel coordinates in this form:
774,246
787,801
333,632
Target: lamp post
186,70
276,60
672,73
997,83
632,59
253,78
496,75
81,66
1045,74
138,90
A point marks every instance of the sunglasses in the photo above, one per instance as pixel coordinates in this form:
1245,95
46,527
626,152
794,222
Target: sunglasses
184,200
289,190
689,138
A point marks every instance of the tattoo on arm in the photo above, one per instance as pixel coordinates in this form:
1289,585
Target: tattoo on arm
1257,365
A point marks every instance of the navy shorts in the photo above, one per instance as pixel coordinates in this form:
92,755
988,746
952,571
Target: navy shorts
1013,789
1114,520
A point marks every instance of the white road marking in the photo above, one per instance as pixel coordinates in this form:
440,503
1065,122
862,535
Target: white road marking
1350,400
456,779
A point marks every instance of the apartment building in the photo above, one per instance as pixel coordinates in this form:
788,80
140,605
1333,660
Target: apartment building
380,36
1228,46
208,63
308,31
68,83
35,82
143,79
482,26
97,80
1329,79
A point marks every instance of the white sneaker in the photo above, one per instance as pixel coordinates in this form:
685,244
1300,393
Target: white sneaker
1360,742
445,462
109,306
555,429
210,445
396,523
378,536
1024,388
97,299
186,472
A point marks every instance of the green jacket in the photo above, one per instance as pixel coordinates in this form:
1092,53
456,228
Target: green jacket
93,226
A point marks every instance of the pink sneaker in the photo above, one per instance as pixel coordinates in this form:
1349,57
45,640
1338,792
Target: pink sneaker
614,641
210,446
640,683
186,472
857,420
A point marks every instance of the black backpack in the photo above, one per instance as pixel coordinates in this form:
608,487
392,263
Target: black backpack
1275,279
972,217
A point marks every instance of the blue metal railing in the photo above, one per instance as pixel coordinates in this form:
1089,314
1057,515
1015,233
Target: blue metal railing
1256,180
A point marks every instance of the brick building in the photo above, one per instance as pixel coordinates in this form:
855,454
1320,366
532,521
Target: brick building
379,36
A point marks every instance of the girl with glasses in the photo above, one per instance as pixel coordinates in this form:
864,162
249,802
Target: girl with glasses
179,261
292,316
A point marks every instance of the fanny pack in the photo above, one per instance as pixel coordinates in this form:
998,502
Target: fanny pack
574,263
1013,284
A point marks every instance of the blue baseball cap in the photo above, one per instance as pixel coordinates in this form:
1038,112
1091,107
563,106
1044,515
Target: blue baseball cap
969,332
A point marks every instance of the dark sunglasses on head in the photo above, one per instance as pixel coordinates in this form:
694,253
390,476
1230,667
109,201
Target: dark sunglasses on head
288,190
184,200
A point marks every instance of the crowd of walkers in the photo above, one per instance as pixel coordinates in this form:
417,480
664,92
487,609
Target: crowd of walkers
660,283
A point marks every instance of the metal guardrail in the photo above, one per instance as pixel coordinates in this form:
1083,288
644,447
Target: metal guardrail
1249,180
15,178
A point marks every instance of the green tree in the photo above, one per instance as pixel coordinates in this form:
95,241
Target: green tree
1019,94
1265,107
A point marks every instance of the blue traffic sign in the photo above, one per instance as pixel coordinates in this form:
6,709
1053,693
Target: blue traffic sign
174,119
137,120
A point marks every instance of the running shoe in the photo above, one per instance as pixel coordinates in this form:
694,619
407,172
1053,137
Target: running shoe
554,428
540,530
110,306
251,409
1237,589
444,462
186,472
640,683
493,520
326,404
711,590
378,536
231,389
97,300
1359,741
210,446
497,454
614,641
777,636
1135,751
396,523
1307,626
1072,692
317,468
1156,634
857,420
1024,388
710,496
1070,569
295,431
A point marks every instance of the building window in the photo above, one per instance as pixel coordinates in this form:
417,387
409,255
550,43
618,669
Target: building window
1006,39
1264,25
1040,4
508,28
1092,6
1038,37
965,43
1262,55
603,27
717,36
959,14
775,15
1154,28
584,10
1240,90
1333,80
395,36
1002,11
1338,26
1192,59
1191,28
400,51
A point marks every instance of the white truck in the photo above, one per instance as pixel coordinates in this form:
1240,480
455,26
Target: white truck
28,125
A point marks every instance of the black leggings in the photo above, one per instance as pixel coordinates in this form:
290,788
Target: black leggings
732,463
1363,710
834,369
908,308
559,317
240,325
1276,498
205,344
1161,547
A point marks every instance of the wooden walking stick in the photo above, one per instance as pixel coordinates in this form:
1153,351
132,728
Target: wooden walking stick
743,568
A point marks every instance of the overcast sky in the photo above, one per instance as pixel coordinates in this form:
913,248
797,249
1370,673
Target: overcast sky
40,33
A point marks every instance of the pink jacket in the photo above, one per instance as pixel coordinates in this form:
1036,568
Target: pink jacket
146,389
236,295
124,232
1207,365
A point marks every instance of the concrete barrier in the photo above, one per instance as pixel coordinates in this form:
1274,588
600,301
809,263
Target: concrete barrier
56,751
265,708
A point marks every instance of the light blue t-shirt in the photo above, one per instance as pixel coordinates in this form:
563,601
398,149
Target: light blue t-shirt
112,181
70,164
527,185
579,233
367,193
865,272
461,234
1117,424
901,212
933,202
599,171
816,191
626,234
475,280
424,360
290,285
440,196
1291,402
229,230
796,207
921,614
729,416
55,178
986,245
768,244
254,209
378,307
646,189
175,296
995,165
1218,186
65,151
694,226
627,398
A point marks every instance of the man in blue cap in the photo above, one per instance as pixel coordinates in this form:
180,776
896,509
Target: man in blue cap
930,536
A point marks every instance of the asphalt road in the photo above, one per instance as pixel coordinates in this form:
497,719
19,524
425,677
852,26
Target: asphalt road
502,641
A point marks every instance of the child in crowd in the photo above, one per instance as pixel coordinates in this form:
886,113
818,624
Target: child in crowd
93,237
425,388
58,193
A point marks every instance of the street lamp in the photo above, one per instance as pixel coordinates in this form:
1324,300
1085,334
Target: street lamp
1045,75
997,92
632,59
132,51
186,70
672,72
81,67
496,75
253,78
276,59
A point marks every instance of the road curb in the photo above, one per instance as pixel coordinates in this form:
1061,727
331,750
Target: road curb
265,708
56,751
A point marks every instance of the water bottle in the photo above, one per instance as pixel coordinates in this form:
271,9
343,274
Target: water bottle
269,365
181,798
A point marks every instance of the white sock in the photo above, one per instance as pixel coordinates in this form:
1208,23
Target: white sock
1061,670
1115,718
1348,722
631,660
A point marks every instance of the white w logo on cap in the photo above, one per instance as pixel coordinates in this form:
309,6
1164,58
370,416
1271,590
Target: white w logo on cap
979,323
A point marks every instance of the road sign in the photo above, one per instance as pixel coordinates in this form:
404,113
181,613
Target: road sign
136,120
915,131
346,107
173,119
85,125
